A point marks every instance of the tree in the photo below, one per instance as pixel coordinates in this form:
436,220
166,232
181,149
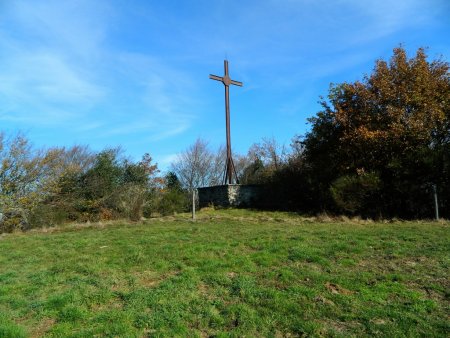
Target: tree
22,171
198,166
105,176
173,198
263,160
139,183
172,181
195,166
394,124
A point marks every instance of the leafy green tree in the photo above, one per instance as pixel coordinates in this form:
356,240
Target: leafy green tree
170,199
114,187
139,186
172,181
104,177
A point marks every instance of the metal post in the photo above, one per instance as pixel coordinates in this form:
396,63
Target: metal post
436,204
227,122
193,204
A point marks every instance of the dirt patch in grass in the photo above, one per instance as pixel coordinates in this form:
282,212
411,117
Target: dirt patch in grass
336,326
231,274
337,289
42,327
151,279
322,300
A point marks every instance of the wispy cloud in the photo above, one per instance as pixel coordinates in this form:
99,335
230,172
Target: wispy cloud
44,75
62,69
167,95
378,19
47,73
166,160
267,33
76,26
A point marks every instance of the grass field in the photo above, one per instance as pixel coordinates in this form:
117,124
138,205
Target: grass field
230,273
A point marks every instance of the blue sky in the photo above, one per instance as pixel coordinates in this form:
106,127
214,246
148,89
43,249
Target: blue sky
135,73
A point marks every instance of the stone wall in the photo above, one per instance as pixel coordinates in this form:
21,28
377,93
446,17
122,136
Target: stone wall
231,195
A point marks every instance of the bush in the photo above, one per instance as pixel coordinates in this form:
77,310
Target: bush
167,202
354,193
14,219
131,201
47,215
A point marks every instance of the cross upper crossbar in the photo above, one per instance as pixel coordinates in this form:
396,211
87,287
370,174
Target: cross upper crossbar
226,78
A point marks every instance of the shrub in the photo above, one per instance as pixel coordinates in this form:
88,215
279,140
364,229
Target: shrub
14,219
353,193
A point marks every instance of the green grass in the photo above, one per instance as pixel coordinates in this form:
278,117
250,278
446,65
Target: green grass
230,273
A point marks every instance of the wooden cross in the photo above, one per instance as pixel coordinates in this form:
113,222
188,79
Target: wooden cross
229,168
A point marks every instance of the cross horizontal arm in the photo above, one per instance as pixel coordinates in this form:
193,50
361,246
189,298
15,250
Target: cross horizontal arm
215,77
236,83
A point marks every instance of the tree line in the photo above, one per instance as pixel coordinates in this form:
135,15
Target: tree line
377,148
53,186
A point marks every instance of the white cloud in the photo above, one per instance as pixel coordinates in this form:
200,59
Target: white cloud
379,19
43,88
166,94
60,69
48,51
166,160
172,130
46,76
78,27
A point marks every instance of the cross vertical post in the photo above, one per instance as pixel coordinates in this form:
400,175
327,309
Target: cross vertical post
226,80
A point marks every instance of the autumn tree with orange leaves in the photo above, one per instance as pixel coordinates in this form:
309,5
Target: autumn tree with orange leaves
388,134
